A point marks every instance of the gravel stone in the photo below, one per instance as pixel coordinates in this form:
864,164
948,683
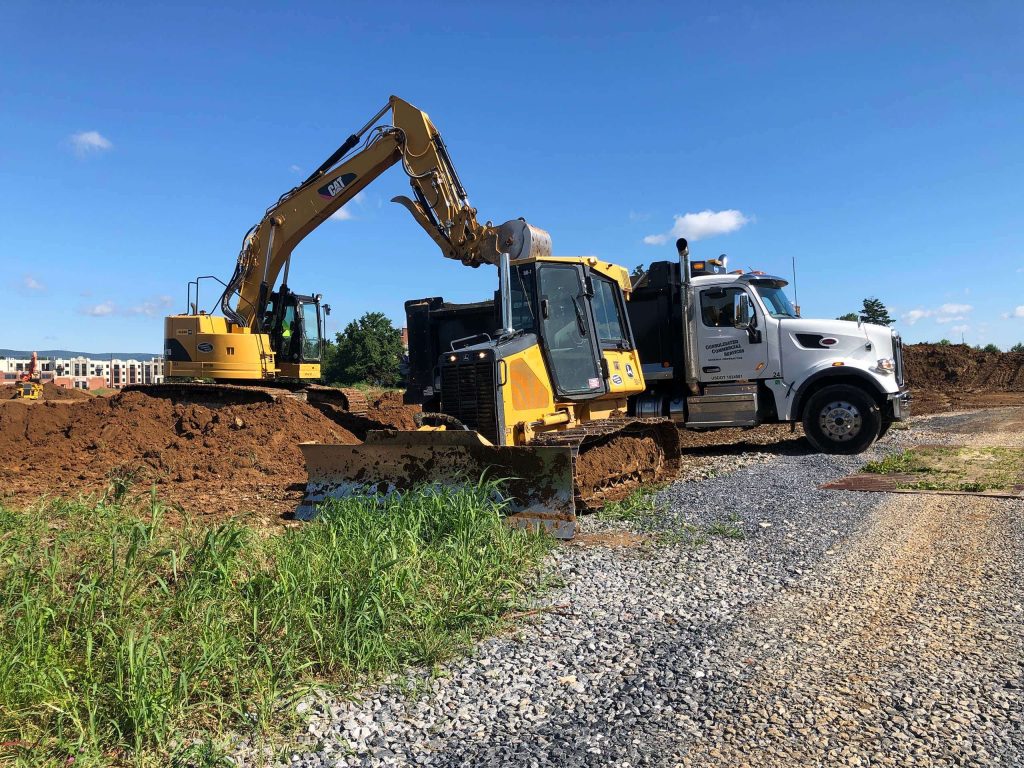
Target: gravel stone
842,628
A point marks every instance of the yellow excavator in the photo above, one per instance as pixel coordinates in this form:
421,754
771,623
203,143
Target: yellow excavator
268,338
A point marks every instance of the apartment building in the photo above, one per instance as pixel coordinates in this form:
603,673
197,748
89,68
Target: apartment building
87,372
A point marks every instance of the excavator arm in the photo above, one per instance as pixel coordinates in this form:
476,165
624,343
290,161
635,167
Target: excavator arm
440,205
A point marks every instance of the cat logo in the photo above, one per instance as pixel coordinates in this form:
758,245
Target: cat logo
329,191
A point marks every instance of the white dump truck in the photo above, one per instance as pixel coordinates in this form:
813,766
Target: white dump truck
728,349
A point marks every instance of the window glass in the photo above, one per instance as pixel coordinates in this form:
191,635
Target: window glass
716,306
310,332
523,290
606,311
775,301
566,330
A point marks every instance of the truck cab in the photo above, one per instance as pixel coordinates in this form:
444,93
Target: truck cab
728,349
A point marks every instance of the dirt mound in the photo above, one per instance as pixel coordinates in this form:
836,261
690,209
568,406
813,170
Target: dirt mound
950,377
959,368
213,461
52,392
389,410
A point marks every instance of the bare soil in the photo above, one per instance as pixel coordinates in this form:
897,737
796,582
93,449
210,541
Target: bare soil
211,462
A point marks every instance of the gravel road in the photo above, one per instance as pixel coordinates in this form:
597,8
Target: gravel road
755,620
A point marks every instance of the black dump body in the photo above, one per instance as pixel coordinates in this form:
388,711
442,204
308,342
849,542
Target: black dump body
655,312
434,325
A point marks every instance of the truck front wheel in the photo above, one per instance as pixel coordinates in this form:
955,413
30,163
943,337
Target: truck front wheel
842,419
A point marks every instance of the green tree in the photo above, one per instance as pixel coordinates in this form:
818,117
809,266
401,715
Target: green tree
992,348
944,342
1018,347
875,312
367,351
849,316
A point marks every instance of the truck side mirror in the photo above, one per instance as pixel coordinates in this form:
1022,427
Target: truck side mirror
742,312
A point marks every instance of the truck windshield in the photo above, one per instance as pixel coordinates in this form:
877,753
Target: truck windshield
775,301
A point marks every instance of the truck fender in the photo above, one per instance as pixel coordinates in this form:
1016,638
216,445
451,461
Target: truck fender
835,375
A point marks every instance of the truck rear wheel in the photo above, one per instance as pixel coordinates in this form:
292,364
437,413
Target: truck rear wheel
842,419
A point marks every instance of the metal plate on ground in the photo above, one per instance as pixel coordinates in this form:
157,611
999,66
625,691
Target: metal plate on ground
995,471
892,484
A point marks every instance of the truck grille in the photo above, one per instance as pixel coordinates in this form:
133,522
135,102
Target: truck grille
468,393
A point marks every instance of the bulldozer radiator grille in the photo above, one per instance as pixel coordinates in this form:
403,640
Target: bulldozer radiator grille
468,393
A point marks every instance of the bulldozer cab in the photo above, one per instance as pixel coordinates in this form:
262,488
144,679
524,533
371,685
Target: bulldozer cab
564,324
294,324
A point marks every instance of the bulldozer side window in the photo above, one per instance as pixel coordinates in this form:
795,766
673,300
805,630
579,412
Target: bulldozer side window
568,332
610,329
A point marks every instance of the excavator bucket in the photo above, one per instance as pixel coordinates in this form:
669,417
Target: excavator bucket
537,485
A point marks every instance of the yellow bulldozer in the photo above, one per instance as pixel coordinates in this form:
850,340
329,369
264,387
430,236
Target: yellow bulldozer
538,397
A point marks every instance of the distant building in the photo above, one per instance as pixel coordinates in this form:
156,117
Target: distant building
87,372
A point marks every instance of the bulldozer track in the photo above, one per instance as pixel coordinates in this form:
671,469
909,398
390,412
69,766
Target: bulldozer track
597,481
352,400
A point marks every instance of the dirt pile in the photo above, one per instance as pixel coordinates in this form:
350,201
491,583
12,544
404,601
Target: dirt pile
212,461
955,377
388,410
960,368
52,392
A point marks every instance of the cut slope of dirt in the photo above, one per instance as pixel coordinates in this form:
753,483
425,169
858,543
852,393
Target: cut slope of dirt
950,377
960,368
213,462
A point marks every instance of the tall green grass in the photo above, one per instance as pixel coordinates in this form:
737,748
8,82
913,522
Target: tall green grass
121,637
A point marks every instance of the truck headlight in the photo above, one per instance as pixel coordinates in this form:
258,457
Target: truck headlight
886,365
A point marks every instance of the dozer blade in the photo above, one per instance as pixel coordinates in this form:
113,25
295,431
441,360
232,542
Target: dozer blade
537,487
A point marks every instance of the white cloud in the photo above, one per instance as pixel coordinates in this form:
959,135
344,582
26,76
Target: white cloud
960,328
638,216
947,313
294,168
32,284
345,213
699,226
152,307
100,310
89,142
1017,312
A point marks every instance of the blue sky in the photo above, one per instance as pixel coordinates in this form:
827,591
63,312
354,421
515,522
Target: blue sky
878,143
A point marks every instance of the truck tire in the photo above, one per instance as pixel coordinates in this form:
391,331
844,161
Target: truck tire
842,419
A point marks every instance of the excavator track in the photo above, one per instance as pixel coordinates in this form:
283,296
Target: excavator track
352,400
613,457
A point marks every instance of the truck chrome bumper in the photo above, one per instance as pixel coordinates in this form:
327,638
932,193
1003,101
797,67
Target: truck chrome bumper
900,404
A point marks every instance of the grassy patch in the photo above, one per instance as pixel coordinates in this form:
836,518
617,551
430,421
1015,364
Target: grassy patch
637,505
967,469
728,529
122,639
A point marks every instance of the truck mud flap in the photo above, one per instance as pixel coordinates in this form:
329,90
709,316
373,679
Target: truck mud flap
537,486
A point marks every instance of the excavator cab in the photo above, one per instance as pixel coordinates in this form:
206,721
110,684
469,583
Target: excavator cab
295,326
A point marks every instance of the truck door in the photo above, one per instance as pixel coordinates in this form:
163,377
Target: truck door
567,330
725,352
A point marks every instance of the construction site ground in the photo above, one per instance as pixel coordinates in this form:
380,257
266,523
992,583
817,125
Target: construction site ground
211,461
749,618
